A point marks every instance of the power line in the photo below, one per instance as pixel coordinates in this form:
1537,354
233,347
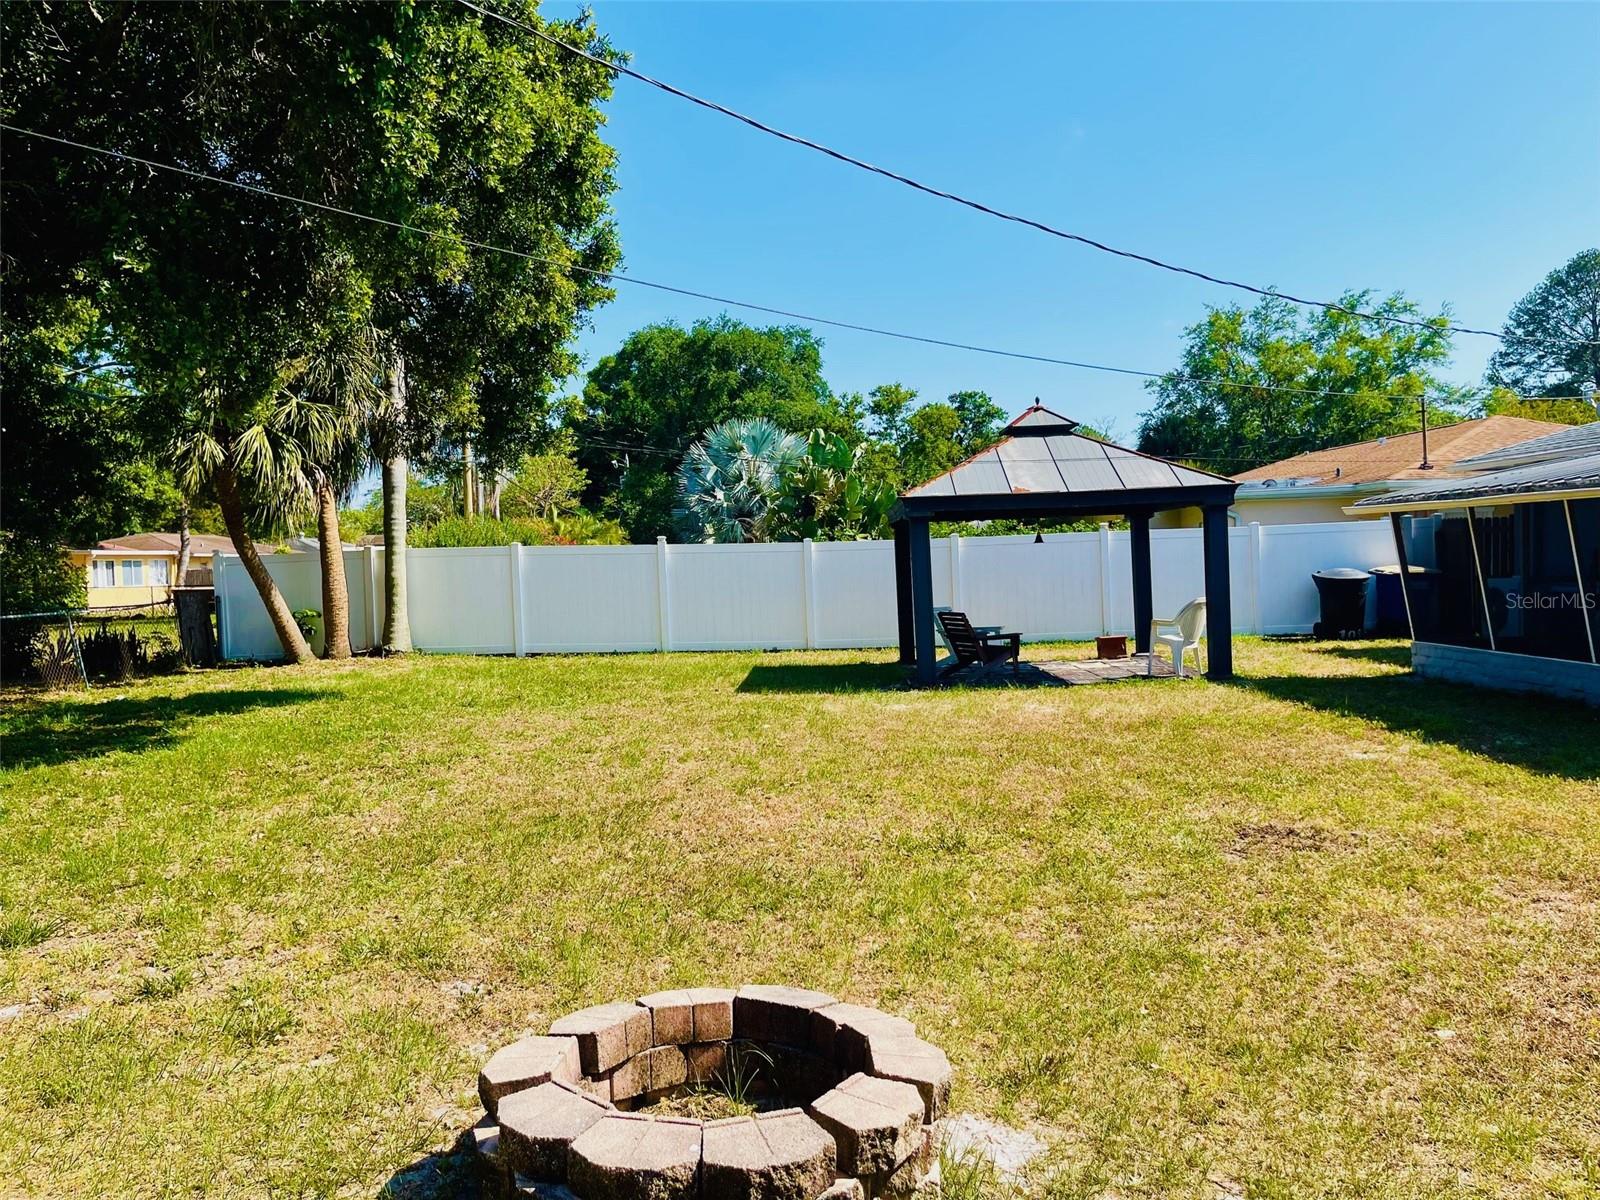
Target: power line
676,452
979,206
616,277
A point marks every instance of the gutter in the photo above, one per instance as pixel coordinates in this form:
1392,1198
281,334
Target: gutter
1252,490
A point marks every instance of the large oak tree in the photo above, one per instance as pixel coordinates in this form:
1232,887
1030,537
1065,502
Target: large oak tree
1262,384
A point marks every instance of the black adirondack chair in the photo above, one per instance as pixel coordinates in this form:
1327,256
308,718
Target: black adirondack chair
974,649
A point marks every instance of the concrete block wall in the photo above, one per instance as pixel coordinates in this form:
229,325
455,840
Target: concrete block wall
1508,672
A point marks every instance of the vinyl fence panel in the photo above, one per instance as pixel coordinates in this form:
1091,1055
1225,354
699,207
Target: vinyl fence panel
590,599
460,599
1290,553
244,628
1051,589
745,597
853,594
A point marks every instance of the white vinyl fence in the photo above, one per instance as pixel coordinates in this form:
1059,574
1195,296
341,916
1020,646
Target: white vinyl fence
565,599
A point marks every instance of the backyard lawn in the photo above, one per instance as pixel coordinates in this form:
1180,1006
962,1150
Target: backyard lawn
1326,930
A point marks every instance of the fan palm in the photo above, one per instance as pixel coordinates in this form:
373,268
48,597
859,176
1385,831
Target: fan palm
270,451
731,479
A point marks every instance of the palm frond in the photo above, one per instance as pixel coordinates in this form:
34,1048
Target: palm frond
730,479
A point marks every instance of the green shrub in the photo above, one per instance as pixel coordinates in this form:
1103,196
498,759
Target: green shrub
576,529
480,531
307,619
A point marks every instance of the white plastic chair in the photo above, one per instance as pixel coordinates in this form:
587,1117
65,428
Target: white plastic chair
1190,624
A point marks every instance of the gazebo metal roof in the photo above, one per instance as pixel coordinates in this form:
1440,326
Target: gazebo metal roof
1044,467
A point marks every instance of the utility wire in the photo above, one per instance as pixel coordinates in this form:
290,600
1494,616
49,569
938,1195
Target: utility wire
676,452
616,277
928,189
1176,456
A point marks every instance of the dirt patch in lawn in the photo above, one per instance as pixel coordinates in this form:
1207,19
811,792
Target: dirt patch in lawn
1269,837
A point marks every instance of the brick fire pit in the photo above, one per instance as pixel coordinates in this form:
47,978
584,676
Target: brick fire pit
848,1097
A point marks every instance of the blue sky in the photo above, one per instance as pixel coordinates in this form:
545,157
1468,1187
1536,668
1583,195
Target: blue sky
1451,151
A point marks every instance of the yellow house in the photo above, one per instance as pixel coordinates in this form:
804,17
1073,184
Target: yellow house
140,568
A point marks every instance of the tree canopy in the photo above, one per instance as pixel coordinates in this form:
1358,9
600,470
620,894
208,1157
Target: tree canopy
1295,382
665,386
211,300
1551,343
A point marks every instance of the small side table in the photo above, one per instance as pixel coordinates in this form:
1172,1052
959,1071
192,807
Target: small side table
1114,645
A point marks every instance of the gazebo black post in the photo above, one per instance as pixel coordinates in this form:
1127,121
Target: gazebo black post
1219,600
1143,605
902,591
922,601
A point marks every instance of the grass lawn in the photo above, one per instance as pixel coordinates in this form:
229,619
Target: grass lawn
1328,930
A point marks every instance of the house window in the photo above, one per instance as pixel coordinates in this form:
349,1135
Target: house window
103,573
133,572
160,572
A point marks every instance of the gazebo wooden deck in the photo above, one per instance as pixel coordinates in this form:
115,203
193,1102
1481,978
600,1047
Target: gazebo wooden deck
1043,469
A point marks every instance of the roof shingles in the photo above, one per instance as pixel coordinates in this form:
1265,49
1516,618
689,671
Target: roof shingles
1400,456
199,543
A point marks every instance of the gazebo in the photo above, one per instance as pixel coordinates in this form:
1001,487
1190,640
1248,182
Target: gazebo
1043,469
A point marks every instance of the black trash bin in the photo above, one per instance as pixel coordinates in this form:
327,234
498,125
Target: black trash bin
1343,592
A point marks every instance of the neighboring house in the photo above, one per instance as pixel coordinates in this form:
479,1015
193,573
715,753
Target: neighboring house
1503,557
1319,485
141,568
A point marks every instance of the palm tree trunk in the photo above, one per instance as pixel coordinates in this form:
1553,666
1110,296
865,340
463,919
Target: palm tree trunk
335,590
295,648
185,543
397,620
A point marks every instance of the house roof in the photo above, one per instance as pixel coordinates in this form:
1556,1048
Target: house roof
1575,478
1042,465
1567,441
199,543
1400,456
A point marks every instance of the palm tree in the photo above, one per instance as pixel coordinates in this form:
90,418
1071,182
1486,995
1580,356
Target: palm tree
730,480
185,542
271,453
343,375
388,436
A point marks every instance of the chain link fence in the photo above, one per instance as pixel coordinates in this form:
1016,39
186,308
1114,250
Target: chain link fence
76,647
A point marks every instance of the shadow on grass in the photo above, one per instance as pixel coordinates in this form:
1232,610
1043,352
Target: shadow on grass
1395,656
453,1175
826,677
51,732
459,1173
1543,735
